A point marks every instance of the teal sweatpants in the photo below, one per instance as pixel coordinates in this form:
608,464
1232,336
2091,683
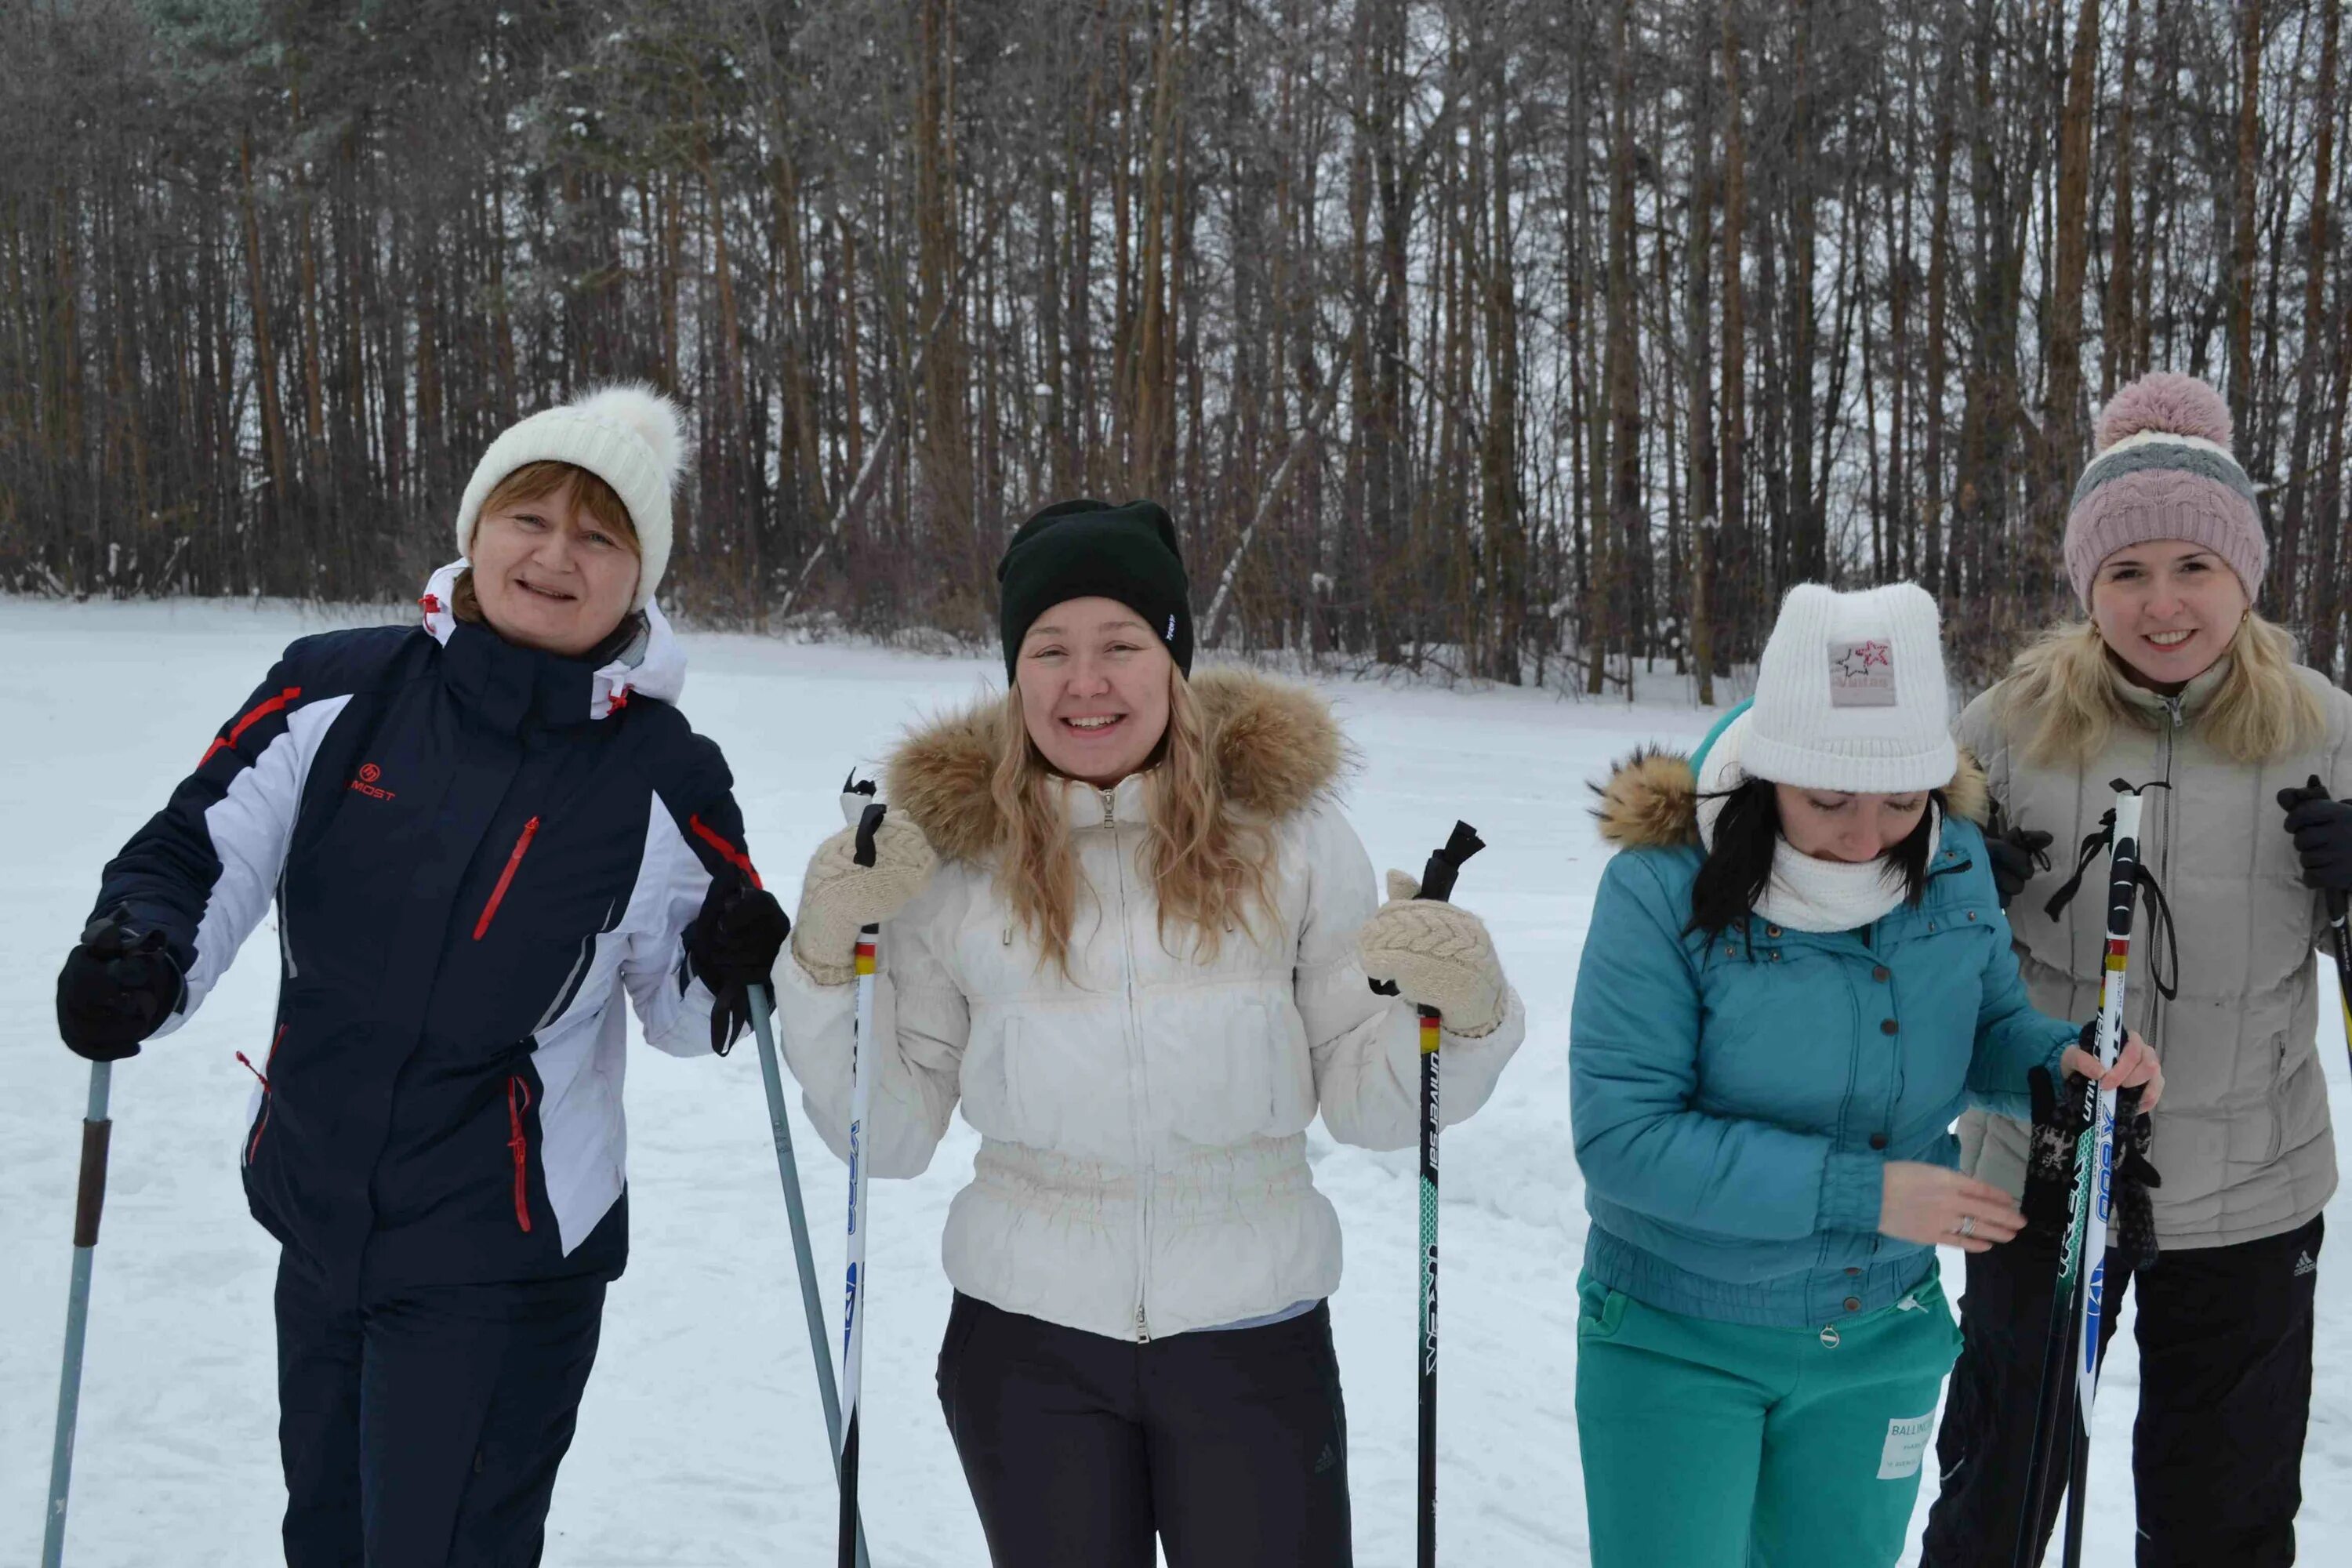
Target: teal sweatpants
1713,1445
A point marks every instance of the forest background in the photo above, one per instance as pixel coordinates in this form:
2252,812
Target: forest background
1534,341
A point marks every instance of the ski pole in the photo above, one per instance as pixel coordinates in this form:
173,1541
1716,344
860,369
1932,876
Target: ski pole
803,1265
89,1199
2070,1364
2337,903
1437,878
861,1099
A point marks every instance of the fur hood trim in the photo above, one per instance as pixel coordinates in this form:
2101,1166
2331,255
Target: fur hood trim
1651,801
1276,746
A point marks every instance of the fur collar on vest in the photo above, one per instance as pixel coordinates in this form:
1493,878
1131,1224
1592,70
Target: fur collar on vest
1651,800
1276,744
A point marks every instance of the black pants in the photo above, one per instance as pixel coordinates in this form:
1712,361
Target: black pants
2225,1339
424,1431
1230,1445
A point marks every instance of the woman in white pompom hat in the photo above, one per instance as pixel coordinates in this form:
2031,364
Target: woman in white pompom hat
1796,976
477,832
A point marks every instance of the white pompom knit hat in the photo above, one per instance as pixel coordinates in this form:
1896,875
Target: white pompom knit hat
1850,694
629,436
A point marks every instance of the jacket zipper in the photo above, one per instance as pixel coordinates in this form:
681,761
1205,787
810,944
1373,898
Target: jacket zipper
253,1146
498,893
1135,1082
2164,863
519,1101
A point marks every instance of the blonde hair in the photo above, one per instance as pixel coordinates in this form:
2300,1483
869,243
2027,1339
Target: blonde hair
1208,864
2060,697
536,481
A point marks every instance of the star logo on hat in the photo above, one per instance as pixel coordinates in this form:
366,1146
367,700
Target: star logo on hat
1858,658
1861,672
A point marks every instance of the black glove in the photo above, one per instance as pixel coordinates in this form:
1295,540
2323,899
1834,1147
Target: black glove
732,945
117,986
2013,854
2058,1126
2323,835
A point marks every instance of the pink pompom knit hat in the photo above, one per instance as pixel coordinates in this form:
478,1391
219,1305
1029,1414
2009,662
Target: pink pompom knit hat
2165,471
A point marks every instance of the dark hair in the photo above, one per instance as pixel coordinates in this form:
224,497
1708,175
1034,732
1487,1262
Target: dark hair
1746,836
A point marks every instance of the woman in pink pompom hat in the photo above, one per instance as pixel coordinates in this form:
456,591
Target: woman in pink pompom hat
2173,678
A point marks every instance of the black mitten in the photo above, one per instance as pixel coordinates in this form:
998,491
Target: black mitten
732,945
2323,835
2013,855
118,984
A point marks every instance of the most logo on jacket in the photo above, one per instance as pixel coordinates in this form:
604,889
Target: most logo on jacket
365,783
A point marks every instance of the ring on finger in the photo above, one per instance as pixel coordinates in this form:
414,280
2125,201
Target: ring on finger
1967,1226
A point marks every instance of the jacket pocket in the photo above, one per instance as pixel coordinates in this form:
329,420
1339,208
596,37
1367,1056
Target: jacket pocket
261,1117
519,1147
506,877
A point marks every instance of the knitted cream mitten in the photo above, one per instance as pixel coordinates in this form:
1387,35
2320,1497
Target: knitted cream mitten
1438,955
839,896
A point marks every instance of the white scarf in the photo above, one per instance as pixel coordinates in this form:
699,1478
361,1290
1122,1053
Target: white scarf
1804,893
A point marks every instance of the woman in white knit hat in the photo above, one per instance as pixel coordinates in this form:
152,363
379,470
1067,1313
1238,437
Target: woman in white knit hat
2173,677
477,832
1796,975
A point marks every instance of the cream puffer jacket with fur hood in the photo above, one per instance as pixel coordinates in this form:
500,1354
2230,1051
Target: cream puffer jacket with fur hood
2242,1139
1142,1168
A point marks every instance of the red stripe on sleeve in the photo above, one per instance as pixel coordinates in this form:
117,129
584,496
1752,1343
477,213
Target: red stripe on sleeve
236,731
727,852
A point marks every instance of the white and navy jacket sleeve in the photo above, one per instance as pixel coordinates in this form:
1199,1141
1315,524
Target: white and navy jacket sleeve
204,868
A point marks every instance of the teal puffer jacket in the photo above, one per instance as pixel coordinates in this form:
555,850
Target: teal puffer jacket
1736,1098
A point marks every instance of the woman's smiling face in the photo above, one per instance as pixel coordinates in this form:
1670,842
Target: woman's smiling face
1094,690
550,575
2168,609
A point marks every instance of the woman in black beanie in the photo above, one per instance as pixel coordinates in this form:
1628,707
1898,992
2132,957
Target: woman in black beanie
1127,928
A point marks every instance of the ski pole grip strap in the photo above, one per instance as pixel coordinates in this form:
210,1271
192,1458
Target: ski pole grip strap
868,822
89,1195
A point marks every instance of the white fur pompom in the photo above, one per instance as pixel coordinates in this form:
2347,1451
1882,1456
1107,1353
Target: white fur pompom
654,417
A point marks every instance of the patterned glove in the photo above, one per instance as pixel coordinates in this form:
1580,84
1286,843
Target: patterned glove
2058,1124
839,896
1438,954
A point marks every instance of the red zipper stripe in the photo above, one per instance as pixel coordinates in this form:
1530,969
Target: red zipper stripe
268,1094
727,852
236,731
519,1147
498,893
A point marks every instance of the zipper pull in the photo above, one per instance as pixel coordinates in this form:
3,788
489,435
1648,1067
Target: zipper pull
2172,706
1110,812
1142,1328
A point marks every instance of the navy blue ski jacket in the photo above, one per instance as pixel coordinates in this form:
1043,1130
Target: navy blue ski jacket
472,847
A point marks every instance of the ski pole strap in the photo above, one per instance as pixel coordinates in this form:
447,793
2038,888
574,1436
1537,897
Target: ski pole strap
1437,878
2094,845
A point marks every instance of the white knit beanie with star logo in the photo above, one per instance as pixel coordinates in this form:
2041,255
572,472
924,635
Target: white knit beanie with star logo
1850,694
629,436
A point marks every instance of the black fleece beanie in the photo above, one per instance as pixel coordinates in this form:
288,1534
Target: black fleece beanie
1088,549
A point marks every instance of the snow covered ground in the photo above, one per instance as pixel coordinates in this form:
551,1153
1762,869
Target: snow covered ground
701,1442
